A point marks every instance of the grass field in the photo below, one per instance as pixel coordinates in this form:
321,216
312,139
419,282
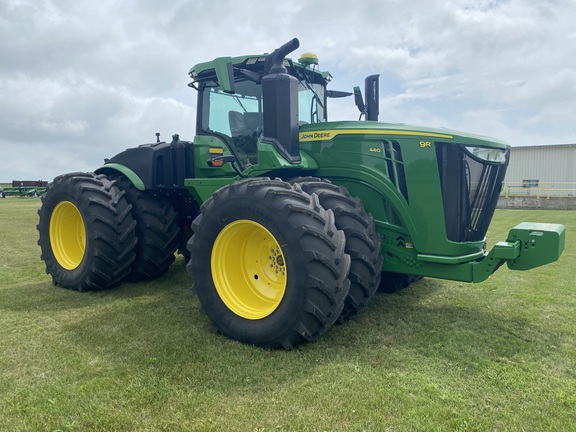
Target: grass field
438,356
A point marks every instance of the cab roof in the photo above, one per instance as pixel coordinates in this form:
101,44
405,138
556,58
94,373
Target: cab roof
253,64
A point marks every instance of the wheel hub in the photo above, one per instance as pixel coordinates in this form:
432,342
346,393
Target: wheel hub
67,235
248,269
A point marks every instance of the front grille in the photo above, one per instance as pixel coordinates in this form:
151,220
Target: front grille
470,189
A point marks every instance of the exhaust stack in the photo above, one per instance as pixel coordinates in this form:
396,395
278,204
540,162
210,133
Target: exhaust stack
280,98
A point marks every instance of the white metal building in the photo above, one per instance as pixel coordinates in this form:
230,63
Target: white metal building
542,169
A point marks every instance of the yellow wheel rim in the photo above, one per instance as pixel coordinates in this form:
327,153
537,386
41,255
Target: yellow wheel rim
67,235
248,269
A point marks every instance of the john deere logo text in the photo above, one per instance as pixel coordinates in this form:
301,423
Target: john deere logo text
316,136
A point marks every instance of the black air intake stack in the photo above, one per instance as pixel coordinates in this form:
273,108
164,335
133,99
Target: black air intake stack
280,95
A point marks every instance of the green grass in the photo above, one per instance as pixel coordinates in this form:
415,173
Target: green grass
439,356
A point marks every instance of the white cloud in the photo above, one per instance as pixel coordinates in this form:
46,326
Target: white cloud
81,81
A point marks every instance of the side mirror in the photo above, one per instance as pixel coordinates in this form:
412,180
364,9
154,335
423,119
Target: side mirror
359,100
372,97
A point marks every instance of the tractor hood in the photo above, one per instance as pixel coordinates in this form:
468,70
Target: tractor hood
328,130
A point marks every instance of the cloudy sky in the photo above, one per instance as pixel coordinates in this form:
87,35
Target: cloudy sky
83,80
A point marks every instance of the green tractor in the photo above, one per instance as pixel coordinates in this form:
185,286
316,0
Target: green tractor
289,223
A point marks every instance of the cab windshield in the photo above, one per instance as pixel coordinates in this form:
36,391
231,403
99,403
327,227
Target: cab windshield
239,117
311,103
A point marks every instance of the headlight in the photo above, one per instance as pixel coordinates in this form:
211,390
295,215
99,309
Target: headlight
488,154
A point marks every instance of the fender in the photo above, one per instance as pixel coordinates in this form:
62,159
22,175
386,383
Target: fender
125,171
156,166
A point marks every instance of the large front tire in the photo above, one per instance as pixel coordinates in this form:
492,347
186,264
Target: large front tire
86,232
362,241
268,263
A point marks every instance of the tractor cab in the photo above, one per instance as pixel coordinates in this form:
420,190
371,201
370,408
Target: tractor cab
242,100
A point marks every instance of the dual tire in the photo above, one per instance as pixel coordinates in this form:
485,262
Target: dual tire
272,264
96,231
156,230
363,243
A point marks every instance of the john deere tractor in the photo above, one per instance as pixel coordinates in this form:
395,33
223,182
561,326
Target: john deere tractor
289,223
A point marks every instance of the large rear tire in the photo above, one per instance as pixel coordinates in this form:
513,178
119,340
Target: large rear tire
268,263
87,234
362,241
156,229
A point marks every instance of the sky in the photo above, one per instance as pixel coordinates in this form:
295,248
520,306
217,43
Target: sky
82,80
